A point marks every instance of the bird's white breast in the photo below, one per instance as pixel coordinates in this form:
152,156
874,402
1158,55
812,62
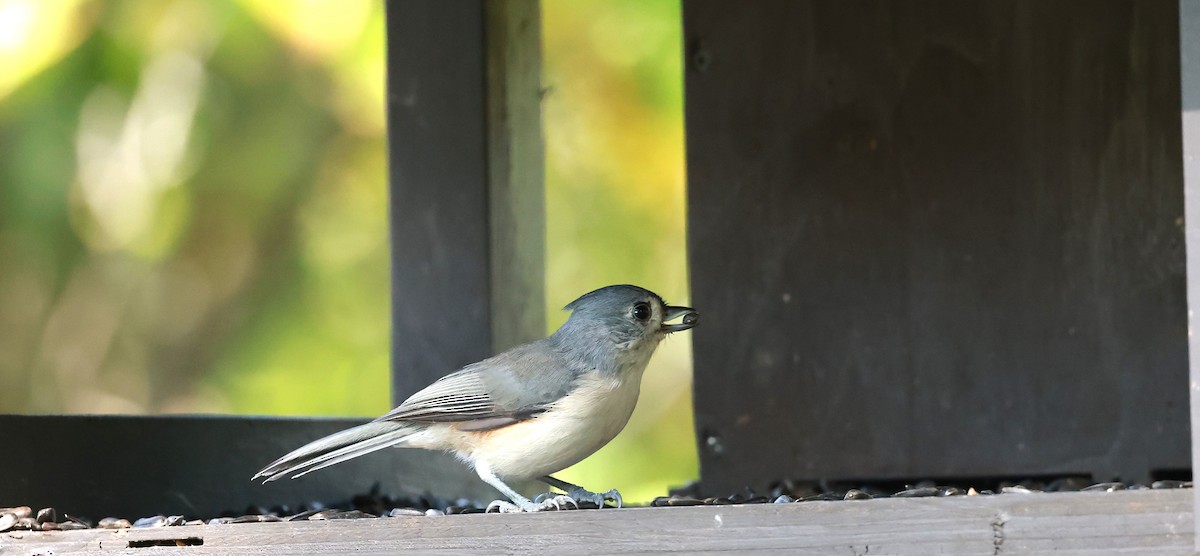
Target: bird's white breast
572,429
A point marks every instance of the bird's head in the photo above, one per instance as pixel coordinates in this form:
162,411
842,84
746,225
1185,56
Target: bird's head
628,317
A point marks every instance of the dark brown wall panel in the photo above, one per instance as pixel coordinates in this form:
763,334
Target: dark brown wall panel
936,239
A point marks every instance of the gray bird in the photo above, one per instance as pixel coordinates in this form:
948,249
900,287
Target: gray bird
533,410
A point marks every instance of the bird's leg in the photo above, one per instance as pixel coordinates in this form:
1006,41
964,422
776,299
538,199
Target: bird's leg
578,493
519,503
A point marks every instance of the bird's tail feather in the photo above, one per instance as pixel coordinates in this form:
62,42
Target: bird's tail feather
336,448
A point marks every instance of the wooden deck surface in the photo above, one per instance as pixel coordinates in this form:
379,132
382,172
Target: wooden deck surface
1131,522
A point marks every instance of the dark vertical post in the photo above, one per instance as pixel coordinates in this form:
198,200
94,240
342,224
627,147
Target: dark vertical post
446,295
1189,69
438,198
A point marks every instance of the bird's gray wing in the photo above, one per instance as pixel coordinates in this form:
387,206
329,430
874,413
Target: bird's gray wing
508,388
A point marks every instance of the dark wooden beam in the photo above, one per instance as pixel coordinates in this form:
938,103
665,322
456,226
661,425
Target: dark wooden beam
133,466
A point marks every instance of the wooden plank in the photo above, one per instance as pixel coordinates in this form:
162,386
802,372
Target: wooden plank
516,172
936,239
134,466
1189,51
1134,522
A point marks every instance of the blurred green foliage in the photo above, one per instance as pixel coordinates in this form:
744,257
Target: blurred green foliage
193,207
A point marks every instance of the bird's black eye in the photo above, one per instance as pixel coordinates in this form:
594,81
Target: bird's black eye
641,311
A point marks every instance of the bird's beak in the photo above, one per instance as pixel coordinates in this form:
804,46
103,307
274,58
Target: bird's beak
690,319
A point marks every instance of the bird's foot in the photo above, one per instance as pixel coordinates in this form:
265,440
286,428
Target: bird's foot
597,498
556,501
504,507
540,504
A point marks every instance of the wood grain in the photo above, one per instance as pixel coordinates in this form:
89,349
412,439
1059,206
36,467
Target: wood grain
1131,522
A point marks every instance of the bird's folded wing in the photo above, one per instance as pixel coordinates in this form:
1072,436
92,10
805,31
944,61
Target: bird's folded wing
508,388
465,396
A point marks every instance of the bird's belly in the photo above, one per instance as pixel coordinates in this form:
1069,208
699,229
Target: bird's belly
573,429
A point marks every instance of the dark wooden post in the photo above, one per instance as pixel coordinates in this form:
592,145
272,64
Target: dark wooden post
467,209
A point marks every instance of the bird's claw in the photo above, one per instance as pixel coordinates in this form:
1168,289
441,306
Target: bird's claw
502,506
597,498
540,504
550,501
556,501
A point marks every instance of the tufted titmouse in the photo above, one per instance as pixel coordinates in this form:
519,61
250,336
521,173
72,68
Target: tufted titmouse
533,410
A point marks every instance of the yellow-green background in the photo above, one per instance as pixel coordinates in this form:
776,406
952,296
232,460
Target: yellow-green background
193,207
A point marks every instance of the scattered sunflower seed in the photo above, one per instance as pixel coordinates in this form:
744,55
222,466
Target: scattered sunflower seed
339,514
396,512
676,500
303,515
7,521
918,492
255,518
1105,487
1017,489
114,523
46,515
1170,484
152,521
19,511
855,494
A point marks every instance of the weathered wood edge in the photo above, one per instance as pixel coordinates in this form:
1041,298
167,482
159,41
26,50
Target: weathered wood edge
1189,67
1135,522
